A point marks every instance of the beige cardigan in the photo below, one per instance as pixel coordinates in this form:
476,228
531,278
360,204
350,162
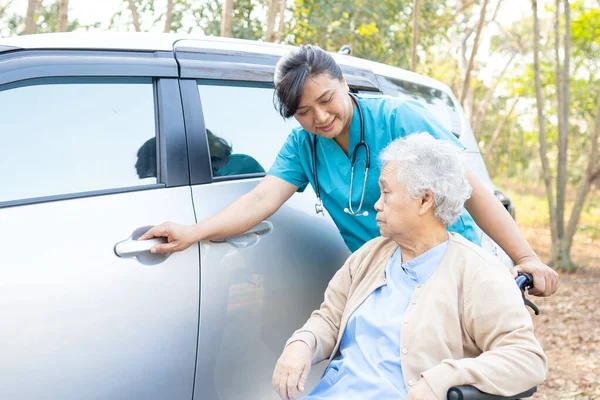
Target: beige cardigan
467,326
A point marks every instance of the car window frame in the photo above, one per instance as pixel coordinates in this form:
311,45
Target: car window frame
244,84
172,156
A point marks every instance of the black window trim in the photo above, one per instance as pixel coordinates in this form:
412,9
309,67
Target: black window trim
172,154
28,64
78,195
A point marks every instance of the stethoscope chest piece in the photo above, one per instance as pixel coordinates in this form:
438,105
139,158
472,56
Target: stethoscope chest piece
319,207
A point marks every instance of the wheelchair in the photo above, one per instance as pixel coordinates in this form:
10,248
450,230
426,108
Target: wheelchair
525,282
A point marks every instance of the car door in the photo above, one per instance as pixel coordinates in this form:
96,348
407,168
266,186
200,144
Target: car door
258,287
92,152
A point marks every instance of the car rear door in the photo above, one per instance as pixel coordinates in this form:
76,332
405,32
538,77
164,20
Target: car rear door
92,152
258,287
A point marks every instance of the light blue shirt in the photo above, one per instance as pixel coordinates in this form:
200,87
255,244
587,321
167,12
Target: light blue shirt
385,119
368,366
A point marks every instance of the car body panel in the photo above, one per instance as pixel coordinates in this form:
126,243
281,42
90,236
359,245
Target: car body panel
256,289
78,322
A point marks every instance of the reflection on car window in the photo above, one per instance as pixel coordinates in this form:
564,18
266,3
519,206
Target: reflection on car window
435,101
244,131
145,166
225,163
71,135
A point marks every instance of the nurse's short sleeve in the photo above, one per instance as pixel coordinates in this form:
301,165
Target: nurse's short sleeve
288,164
413,117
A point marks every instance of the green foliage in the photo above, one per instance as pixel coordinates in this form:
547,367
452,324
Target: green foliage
180,9
47,18
10,23
585,85
245,24
378,30
208,17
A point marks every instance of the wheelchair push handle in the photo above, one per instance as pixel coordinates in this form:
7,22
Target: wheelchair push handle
525,282
472,393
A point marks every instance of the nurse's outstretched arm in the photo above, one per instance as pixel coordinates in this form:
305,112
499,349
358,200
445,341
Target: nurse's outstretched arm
244,213
492,218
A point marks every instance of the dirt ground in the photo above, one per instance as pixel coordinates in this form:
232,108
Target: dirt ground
569,324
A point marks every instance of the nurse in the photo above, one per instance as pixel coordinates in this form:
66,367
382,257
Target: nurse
335,128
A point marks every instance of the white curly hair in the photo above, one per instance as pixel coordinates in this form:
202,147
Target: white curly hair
425,163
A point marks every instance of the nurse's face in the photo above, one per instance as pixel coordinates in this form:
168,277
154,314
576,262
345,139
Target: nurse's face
325,108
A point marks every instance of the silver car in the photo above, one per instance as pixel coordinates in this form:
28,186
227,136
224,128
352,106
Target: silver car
103,136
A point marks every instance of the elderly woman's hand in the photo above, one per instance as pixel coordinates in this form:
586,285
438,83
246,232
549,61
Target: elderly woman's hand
292,370
421,391
545,279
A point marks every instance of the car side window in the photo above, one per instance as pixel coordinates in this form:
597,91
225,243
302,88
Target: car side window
244,131
435,101
69,135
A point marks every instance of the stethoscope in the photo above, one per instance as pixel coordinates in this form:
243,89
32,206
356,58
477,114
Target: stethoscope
348,210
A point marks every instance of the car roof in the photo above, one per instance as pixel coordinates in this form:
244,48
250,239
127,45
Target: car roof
164,42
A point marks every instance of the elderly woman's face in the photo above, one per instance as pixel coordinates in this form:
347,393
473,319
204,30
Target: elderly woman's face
325,108
397,211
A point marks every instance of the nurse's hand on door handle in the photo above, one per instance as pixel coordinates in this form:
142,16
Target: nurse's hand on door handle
132,248
179,237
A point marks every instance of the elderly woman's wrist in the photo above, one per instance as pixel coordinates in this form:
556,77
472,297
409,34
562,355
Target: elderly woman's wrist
305,337
441,378
530,257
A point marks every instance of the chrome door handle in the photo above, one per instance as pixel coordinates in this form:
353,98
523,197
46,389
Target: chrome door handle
132,248
260,230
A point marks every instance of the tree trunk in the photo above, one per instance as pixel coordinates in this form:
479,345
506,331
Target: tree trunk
169,16
496,133
542,122
561,256
470,105
463,66
465,87
561,171
63,15
591,172
495,14
134,15
482,110
272,13
30,26
227,19
415,36
281,27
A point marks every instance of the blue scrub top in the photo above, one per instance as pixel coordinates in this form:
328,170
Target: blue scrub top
385,119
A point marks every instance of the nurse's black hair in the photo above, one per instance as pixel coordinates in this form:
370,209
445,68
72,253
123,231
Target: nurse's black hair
294,69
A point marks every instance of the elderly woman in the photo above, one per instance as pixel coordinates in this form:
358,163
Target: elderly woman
418,310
